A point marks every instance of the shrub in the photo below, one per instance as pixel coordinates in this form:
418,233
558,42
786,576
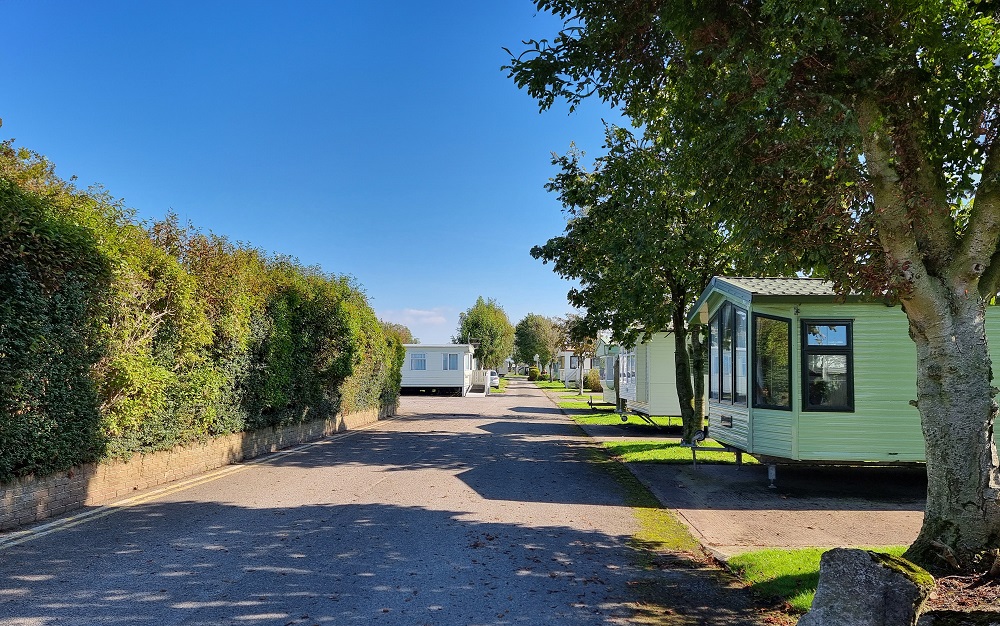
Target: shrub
534,373
117,338
593,380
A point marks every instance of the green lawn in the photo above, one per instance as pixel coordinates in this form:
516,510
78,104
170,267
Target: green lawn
671,451
551,385
502,388
787,575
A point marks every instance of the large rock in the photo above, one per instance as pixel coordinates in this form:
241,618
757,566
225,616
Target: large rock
863,588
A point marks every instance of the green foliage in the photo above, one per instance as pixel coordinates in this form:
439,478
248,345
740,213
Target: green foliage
536,334
859,140
401,331
533,373
593,380
52,280
486,323
116,338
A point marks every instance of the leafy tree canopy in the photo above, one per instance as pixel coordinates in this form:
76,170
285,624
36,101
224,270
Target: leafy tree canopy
400,331
536,334
860,137
486,323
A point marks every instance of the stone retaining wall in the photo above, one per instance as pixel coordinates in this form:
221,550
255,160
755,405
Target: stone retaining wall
30,499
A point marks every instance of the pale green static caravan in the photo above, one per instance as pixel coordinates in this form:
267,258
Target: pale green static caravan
796,375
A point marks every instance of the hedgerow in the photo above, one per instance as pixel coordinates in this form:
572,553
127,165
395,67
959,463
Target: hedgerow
119,337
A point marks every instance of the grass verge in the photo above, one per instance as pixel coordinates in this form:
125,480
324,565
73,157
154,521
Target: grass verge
788,576
671,451
659,529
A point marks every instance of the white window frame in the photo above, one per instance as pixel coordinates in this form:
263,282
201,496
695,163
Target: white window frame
446,361
418,358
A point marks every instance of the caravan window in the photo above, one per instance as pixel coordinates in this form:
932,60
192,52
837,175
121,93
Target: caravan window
573,361
418,361
827,366
713,359
449,361
727,362
772,362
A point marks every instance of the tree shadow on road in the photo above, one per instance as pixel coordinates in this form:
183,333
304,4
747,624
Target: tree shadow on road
198,563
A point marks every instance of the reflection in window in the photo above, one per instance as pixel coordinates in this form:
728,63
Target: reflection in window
740,356
772,368
713,359
727,353
826,334
828,378
418,361
727,361
449,361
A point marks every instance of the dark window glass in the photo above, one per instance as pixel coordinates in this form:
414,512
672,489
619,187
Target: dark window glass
827,364
727,353
713,359
740,356
772,368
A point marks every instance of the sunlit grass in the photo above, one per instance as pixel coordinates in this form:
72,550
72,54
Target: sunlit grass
671,451
787,575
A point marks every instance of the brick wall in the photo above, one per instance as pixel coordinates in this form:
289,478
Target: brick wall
30,499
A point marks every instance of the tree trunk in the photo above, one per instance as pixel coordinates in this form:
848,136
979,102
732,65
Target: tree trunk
690,423
957,413
947,318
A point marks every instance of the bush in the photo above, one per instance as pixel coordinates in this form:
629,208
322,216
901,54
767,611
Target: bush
117,338
534,373
543,376
593,380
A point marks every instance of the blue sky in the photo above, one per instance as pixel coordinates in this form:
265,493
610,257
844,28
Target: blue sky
379,140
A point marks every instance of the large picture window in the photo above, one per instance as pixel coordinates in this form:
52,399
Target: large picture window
772,363
827,366
727,361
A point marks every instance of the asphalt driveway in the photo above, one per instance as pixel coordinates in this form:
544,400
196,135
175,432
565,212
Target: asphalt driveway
459,511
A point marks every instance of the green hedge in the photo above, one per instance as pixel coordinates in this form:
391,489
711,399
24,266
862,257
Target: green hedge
118,337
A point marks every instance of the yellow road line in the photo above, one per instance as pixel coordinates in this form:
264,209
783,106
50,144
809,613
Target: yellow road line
63,523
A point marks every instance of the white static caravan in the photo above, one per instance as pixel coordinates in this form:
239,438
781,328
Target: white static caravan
568,367
607,354
648,377
443,367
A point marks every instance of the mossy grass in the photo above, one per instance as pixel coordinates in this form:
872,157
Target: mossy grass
659,529
790,576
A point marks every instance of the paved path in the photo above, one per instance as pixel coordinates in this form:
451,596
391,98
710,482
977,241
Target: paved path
460,511
732,510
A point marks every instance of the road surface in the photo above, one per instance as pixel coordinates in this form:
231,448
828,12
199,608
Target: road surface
458,511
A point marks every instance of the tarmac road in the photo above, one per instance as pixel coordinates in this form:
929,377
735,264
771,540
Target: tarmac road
459,511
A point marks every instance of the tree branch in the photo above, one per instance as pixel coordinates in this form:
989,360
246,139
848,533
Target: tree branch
983,232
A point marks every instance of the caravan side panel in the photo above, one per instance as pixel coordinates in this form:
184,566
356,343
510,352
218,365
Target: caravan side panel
883,427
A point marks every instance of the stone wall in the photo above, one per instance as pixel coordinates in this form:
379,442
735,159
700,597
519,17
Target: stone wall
30,499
